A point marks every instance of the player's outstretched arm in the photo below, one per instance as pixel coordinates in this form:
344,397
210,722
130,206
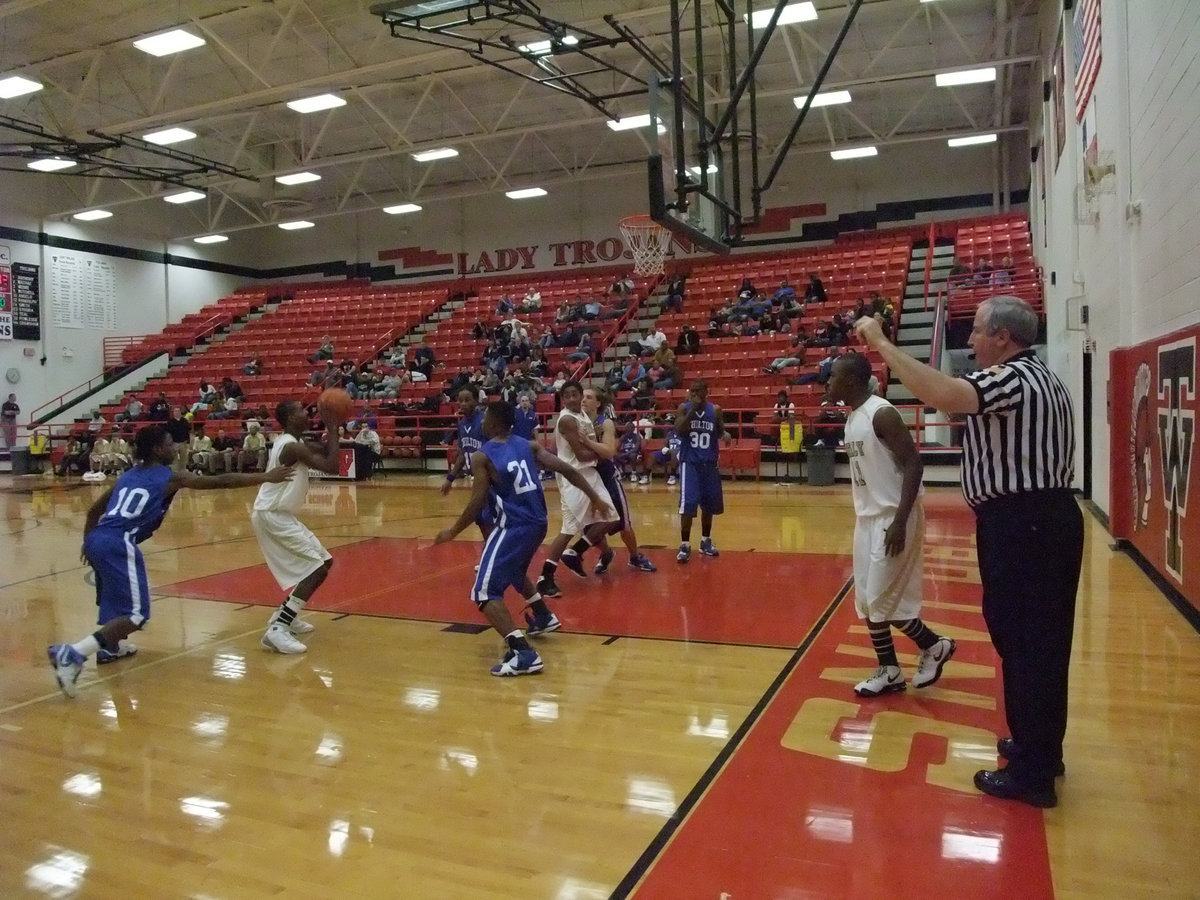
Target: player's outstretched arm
890,429
229,480
485,475
549,461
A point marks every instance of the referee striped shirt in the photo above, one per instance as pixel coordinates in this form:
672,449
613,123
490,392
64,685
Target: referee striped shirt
1023,437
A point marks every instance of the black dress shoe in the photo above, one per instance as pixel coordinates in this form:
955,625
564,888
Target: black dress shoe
1006,787
1007,749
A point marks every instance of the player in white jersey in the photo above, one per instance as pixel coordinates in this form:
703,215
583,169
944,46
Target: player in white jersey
293,553
889,531
575,439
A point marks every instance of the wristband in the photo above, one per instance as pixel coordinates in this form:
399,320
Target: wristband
450,477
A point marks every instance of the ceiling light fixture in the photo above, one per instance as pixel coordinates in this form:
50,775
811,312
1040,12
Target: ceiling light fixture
211,239
854,153
437,153
972,140
91,215
169,136
541,48
298,178
525,193
15,86
965,76
168,42
317,103
401,209
629,122
184,197
53,164
295,226
827,98
792,13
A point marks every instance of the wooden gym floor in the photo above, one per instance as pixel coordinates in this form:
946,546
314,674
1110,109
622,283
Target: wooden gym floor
694,734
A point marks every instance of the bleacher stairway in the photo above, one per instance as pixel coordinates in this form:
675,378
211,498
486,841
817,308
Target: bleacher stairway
915,332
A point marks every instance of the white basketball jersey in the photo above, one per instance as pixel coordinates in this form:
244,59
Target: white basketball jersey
287,496
586,428
875,478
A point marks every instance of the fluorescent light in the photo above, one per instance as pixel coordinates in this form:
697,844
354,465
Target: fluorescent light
185,197
695,170
541,48
169,136
629,122
295,226
168,42
438,153
91,215
854,153
211,239
966,76
525,193
973,139
317,103
825,98
15,86
298,178
401,209
52,165
792,13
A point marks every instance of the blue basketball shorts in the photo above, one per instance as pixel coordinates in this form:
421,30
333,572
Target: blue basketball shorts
121,585
700,486
616,493
507,553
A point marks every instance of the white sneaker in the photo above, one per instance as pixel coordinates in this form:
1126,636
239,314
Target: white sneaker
929,669
298,626
281,640
885,680
672,479
645,479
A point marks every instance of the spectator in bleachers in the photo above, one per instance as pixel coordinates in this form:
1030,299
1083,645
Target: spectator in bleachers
39,451
583,350
620,306
230,407
97,423
254,448
747,290
200,450
160,409
397,357
751,327
538,366
982,273
560,378
624,377
592,310
1003,276
795,356
505,306
563,313
480,331
652,341
532,300
824,370
206,396
423,362
132,411
75,456
784,294
642,399
224,447
513,326
815,292
668,375
622,287
254,367
569,336
325,351
322,378
774,323
368,437
675,291
230,388
785,409
688,342
98,461
347,378
120,453
388,386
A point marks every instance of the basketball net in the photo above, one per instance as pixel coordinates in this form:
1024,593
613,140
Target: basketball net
648,242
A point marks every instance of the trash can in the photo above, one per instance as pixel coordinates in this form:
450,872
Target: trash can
820,466
20,460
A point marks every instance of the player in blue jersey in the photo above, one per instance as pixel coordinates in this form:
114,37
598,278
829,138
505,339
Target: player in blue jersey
470,439
699,425
117,522
597,405
506,479
667,457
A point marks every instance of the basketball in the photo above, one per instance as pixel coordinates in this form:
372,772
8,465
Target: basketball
337,403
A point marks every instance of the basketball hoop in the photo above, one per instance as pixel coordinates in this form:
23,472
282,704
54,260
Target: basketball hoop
648,242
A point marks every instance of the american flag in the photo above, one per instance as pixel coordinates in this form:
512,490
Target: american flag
1085,44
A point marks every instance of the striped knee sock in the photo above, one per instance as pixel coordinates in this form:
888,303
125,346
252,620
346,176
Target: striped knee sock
919,632
881,640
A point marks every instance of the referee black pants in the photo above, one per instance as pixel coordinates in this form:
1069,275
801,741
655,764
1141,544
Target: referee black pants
1030,548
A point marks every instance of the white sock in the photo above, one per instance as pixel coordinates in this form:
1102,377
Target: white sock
88,646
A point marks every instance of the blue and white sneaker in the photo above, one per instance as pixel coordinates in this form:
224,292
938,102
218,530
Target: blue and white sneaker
572,562
606,559
124,649
707,548
68,663
535,626
641,563
518,662
685,552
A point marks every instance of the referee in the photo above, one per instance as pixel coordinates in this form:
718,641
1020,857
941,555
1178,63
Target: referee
1017,468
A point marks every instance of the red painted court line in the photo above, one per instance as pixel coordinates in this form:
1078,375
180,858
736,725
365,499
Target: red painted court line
833,796
760,599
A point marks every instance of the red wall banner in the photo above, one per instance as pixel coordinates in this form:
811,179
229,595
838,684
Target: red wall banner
1152,421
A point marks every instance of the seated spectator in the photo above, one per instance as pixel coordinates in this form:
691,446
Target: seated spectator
824,370
505,306
206,396
688,341
560,379
675,291
629,458
422,363
583,350
652,341
829,427
669,376
751,328
982,273
254,449
368,437
39,451
785,409
747,290
623,378
1003,276
784,295
592,310
160,409
348,375
622,287
254,367
960,274
75,456
200,450
532,300
325,351
323,378
98,422
224,447
642,398
815,292
563,313
480,331
230,407
795,356
397,357
132,411
230,388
